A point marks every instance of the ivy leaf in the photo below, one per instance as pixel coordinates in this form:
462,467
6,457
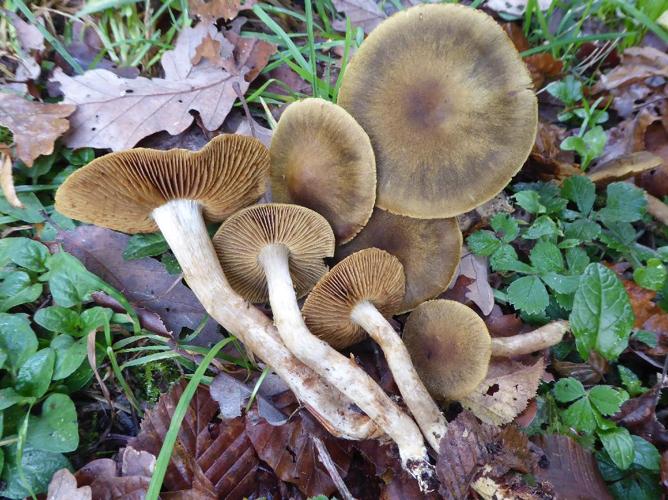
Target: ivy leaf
568,389
580,190
34,375
619,445
602,317
529,200
625,203
145,245
56,429
580,416
483,243
606,399
542,226
652,276
546,256
528,294
505,226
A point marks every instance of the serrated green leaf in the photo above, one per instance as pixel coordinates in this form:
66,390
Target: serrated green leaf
145,245
560,283
582,229
606,399
577,260
483,243
545,257
568,389
530,201
580,190
504,259
528,294
505,226
34,376
602,316
542,226
625,203
652,276
57,428
646,454
580,416
619,445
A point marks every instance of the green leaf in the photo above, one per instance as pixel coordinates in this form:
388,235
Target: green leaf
574,143
568,389
568,90
69,355
31,213
145,245
38,469
94,318
580,190
171,264
606,399
528,294
69,281
595,140
34,375
505,226
9,397
602,317
17,339
530,201
652,276
560,283
483,243
542,226
59,320
56,429
505,259
580,416
546,256
646,337
647,456
619,445
630,381
620,236
577,260
16,289
24,252
582,229
625,203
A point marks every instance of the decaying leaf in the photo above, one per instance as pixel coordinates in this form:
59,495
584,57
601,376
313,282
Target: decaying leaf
479,290
649,316
63,486
547,160
31,41
35,126
480,216
7,180
624,167
543,67
571,469
366,14
505,392
638,415
216,9
103,120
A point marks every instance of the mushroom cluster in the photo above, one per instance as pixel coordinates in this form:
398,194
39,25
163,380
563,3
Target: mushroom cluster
436,113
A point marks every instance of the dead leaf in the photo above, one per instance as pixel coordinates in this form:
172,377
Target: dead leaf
145,282
505,392
543,66
103,120
63,486
479,290
514,7
31,41
366,14
624,166
209,49
649,316
571,469
638,415
664,469
35,126
547,160
480,216
7,180
638,64
215,9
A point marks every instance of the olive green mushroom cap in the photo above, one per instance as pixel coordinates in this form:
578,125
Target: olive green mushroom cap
450,347
322,159
448,105
240,239
429,250
120,190
368,275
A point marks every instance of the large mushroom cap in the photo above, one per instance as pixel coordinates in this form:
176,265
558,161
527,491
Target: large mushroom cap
322,159
448,105
239,241
372,275
120,190
429,250
450,347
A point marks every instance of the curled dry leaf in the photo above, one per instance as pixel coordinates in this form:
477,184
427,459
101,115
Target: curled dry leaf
547,160
479,290
638,415
216,9
624,166
63,486
103,120
35,126
505,392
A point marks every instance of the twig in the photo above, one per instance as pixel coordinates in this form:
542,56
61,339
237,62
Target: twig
244,104
327,461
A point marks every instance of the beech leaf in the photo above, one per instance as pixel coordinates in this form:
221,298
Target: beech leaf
63,486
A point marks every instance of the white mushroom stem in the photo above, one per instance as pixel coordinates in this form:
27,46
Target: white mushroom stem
415,394
183,227
342,372
525,343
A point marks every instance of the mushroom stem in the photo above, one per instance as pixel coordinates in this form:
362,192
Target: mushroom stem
417,398
342,372
525,343
183,227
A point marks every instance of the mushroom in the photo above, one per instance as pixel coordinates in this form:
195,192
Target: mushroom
143,190
448,105
276,251
429,250
354,297
451,346
322,159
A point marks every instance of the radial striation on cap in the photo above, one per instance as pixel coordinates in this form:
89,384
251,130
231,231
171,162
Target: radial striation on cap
448,105
429,250
120,190
322,159
450,347
240,239
368,275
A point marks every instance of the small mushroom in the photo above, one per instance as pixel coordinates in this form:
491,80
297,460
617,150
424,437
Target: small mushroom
277,250
322,159
143,190
451,346
448,105
354,297
429,250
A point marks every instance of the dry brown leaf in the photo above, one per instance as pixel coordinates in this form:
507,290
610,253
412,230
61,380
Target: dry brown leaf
215,9
209,49
638,415
638,64
543,66
505,392
103,118
35,126
624,166
479,290
514,7
7,180
63,486
30,41
547,160
366,14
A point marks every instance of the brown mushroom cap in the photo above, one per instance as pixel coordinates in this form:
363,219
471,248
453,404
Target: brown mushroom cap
372,275
429,250
240,239
450,347
448,105
322,159
120,190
